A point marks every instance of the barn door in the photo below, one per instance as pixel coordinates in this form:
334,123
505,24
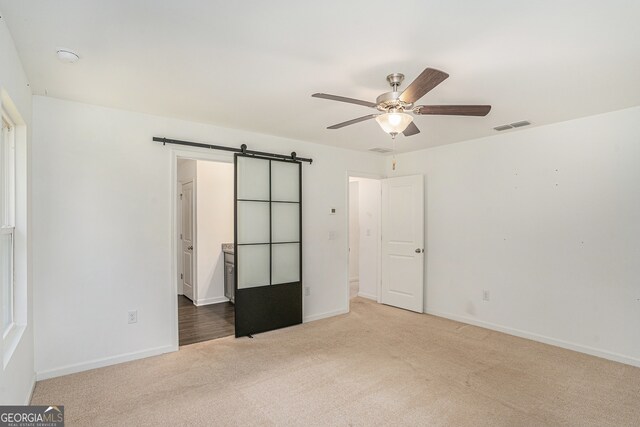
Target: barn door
268,244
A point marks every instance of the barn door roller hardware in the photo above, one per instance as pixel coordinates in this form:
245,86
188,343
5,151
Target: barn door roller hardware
243,149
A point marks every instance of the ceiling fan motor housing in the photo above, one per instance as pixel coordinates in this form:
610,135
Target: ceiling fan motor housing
390,101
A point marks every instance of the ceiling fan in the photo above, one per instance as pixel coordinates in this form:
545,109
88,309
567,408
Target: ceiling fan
394,106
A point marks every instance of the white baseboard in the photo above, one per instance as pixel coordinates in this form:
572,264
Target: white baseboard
107,361
214,300
541,338
368,296
325,315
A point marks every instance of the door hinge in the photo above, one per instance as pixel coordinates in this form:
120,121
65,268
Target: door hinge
181,277
180,236
180,196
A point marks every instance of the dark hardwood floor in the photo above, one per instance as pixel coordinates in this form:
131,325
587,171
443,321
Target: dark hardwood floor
208,322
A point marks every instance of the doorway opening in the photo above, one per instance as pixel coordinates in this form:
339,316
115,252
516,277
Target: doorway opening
386,240
364,238
205,228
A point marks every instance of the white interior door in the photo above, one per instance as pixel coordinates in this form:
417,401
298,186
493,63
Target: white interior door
187,239
403,242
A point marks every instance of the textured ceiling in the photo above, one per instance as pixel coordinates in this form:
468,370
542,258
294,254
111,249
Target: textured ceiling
254,64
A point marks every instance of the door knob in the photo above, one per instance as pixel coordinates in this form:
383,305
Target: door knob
419,250
189,248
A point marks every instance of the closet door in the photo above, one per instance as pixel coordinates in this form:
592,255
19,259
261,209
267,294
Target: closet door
268,244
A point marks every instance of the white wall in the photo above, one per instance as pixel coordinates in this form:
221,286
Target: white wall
548,221
214,220
369,245
186,170
17,372
103,219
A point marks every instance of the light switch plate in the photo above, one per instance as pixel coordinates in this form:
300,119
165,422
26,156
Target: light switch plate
132,316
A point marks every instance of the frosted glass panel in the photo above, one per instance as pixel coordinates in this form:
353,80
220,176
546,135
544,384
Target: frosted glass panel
285,182
253,178
253,266
253,222
285,222
285,263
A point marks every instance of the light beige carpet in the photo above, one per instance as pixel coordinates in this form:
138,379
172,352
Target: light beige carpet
377,365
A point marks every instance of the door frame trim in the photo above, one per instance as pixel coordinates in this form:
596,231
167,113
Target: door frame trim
367,175
172,295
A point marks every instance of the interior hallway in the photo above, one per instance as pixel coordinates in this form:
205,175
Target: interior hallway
377,365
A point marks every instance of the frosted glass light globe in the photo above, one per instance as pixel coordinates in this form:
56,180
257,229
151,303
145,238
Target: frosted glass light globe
394,123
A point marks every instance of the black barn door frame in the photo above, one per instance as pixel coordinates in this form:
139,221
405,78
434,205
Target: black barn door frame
269,307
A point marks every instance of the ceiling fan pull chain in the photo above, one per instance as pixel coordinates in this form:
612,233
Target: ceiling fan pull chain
393,150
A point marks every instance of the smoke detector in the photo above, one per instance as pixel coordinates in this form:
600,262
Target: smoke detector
67,56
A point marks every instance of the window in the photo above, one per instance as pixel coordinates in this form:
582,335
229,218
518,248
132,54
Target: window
7,223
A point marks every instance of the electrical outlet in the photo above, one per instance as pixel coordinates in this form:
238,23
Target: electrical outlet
132,316
332,211
485,295
307,291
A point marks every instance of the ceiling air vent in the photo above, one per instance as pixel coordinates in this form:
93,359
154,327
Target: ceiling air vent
380,150
512,125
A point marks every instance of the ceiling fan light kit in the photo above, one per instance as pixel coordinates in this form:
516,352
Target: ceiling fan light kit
395,107
394,123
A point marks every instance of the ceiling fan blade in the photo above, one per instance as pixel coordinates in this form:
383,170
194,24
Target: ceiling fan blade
344,99
412,129
350,122
426,81
454,110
